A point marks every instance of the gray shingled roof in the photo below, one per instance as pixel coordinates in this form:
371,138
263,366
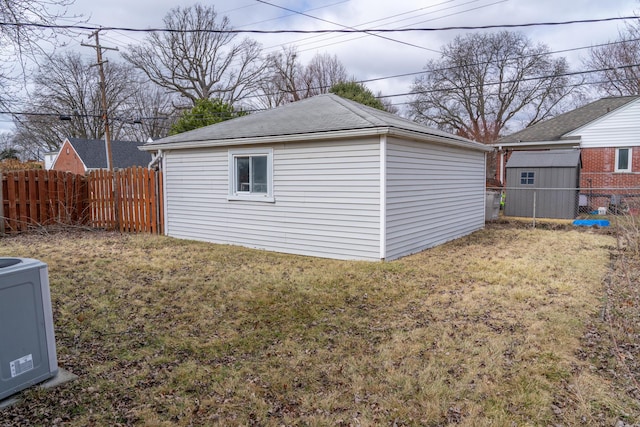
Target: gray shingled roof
544,159
125,154
316,115
554,129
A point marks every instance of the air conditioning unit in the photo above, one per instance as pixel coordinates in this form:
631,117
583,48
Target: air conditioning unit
27,342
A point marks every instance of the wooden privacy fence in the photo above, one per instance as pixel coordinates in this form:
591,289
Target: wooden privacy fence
127,200
41,198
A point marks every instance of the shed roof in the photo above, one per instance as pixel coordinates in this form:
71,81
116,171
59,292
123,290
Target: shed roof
554,129
544,159
124,154
316,117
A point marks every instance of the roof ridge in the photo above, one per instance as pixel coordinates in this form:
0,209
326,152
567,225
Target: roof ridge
356,108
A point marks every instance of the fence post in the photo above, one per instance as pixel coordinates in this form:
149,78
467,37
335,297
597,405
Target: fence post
534,208
116,199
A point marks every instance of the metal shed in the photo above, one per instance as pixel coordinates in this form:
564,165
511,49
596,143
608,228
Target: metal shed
543,184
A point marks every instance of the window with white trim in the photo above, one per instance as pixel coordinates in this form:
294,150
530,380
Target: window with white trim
623,160
527,178
251,175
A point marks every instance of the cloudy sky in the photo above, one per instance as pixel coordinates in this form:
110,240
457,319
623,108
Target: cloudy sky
368,57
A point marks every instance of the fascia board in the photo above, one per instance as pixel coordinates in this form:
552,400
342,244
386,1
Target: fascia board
343,134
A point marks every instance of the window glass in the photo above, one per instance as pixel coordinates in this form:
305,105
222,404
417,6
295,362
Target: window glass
242,174
623,159
259,174
527,178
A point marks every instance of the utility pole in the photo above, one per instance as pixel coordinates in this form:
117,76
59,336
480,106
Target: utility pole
105,117
103,90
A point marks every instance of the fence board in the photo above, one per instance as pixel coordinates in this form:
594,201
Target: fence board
11,202
42,197
22,198
33,196
52,203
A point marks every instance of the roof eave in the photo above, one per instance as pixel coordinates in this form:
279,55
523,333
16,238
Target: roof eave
562,143
452,141
317,136
301,137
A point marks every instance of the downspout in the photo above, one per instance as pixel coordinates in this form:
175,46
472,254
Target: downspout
501,165
383,197
155,160
158,160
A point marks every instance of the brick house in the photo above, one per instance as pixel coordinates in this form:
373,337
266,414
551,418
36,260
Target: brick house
606,131
80,156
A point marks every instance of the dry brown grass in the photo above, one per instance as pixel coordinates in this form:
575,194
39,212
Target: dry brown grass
486,330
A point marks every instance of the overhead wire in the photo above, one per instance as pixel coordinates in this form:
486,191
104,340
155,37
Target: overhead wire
253,110
384,19
354,30
348,27
322,31
389,23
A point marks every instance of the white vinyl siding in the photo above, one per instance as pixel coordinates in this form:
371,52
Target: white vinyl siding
621,128
326,200
435,194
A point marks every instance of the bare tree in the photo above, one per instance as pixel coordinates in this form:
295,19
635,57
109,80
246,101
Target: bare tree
67,87
288,80
486,81
619,63
322,72
285,75
24,35
198,58
149,113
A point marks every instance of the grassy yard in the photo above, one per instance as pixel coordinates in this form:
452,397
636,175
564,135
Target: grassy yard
503,327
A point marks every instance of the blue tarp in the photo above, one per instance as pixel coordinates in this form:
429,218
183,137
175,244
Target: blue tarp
591,222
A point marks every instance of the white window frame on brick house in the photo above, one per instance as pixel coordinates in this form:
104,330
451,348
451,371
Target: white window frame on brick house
250,191
629,157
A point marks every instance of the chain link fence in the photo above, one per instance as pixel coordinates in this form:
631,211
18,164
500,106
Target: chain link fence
564,203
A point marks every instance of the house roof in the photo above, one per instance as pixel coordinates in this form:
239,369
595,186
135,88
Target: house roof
318,117
124,154
544,159
554,129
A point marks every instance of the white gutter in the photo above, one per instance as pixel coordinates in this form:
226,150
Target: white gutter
318,136
501,164
265,139
568,143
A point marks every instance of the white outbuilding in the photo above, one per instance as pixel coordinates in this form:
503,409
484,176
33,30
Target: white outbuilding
324,177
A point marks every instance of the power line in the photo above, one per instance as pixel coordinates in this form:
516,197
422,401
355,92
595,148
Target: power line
321,31
553,52
526,79
432,19
347,27
253,110
291,14
375,21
